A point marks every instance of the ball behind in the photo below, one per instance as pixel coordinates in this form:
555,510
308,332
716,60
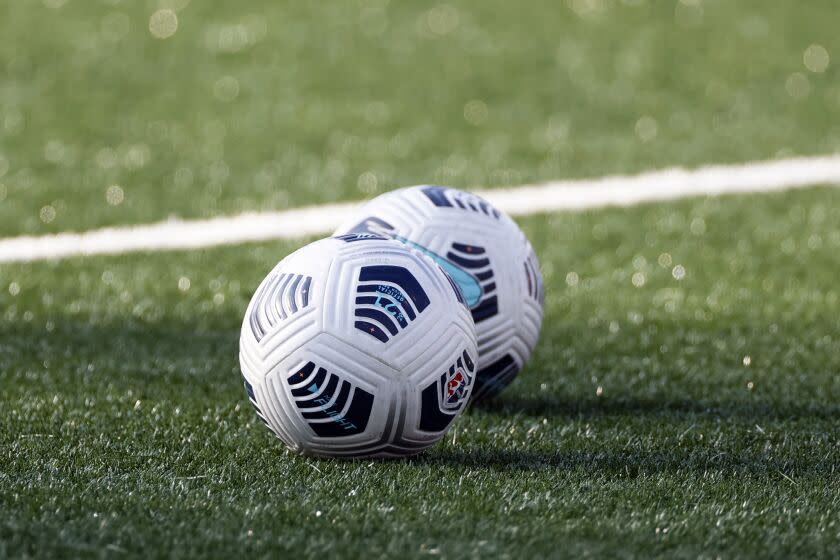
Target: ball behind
486,254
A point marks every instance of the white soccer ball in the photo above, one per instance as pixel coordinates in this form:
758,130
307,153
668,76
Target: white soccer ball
357,346
486,254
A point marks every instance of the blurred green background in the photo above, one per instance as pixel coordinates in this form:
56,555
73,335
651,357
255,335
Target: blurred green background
206,107
684,400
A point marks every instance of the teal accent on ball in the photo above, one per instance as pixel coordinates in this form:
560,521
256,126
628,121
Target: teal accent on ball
469,284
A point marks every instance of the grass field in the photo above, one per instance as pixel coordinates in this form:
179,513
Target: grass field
125,428
684,399
287,103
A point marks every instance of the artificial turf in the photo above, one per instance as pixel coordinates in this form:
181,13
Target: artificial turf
683,401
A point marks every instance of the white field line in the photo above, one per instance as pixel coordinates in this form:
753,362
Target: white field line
667,184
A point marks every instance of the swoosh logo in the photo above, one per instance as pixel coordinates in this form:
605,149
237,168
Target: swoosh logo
470,286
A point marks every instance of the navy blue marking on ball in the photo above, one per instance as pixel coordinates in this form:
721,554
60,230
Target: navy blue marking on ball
252,398
534,279
331,405
305,373
372,225
432,418
491,379
388,298
352,237
277,299
372,330
392,294
473,258
441,401
467,263
444,197
379,317
437,195
459,294
325,390
486,275
399,276
486,309
468,361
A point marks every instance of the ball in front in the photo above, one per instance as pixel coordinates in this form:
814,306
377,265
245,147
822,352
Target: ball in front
485,253
357,346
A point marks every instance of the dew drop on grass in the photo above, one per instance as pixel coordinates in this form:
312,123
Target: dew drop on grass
163,24
798,86
646,128
475,112
226,89
816,59
638,279
442,19
698,226
367,182
54,151
47,214
107,158
114,195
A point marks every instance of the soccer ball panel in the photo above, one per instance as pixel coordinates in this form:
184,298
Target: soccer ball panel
397,296
437,394
335,397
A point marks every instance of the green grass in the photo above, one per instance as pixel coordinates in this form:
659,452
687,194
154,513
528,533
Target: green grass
684,399
341,100
125,431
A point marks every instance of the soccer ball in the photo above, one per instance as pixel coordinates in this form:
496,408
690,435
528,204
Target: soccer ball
485,253
356,346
